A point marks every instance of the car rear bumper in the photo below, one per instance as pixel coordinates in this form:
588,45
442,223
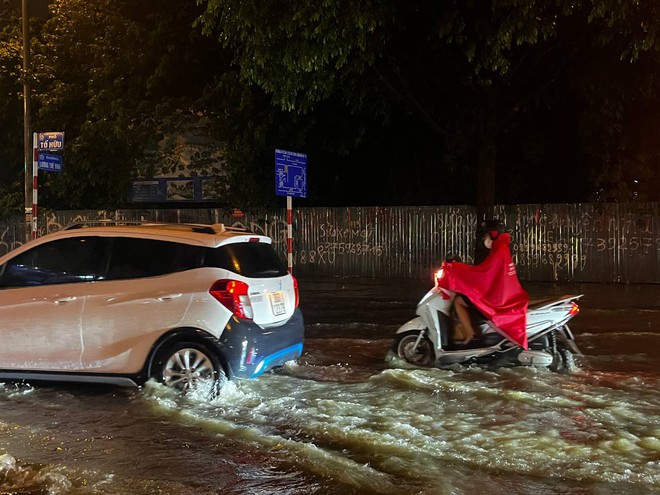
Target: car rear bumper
250,350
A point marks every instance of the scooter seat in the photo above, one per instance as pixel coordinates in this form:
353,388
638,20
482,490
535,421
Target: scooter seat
539,302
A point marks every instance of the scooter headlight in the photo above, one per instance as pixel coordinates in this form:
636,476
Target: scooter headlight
438,275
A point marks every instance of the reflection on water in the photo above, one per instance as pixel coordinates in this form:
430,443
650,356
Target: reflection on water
344,420
324,426
429,431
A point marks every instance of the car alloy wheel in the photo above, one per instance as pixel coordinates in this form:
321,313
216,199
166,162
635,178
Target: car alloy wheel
190,368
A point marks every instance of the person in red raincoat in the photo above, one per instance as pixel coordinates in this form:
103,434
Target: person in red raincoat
492,286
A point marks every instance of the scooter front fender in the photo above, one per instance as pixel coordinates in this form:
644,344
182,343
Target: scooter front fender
414,324
417,325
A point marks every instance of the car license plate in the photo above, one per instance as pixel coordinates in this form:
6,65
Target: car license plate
277,302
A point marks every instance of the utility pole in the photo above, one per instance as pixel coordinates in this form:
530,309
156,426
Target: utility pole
27,135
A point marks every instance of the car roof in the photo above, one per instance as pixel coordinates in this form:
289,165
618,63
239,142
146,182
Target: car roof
187,233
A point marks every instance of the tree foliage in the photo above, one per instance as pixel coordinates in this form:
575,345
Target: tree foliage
505,86
11,112
395,103
118,77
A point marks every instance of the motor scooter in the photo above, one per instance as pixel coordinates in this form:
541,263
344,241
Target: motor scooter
426,339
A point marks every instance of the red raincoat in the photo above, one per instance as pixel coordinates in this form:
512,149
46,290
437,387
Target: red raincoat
493,287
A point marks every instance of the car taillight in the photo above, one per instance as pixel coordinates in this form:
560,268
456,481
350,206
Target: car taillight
295,290
233,294
575,309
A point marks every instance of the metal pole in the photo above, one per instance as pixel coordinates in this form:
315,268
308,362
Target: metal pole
35,188
27,145
289,233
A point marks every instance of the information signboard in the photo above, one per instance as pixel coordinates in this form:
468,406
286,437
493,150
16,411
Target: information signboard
290,174
50,141
50,162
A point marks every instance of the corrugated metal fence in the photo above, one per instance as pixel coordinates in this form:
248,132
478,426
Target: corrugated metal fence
569,243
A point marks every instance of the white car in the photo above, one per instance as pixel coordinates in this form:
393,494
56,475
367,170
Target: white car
183,304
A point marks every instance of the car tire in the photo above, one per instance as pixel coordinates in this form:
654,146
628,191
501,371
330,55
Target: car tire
190,368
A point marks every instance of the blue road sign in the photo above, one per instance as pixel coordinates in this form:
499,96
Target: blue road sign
290,174
50,141
47,161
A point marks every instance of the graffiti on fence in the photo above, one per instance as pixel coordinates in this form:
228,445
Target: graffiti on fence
54,222
8,241
456,224
589,243
335,240
570,241
276,228
559,255
630,233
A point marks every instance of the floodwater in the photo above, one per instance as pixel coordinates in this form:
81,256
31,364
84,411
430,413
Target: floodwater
344,420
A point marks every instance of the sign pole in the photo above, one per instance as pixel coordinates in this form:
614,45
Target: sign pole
289,233
46,141
35,182
290,181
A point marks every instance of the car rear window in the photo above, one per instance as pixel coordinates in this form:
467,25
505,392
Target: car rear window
249,259
136,258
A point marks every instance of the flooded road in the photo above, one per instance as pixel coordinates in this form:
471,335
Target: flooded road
344,420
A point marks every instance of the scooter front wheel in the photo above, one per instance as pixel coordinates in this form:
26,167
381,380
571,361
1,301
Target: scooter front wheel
414,348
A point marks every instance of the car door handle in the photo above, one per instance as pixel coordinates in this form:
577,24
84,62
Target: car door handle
66,299
169,297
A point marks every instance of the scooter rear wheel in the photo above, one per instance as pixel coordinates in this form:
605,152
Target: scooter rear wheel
564,361
414,350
